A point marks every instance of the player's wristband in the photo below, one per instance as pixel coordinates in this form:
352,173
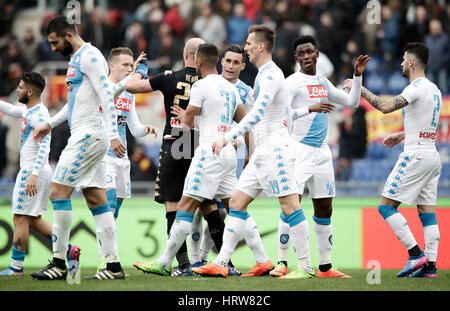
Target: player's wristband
142,69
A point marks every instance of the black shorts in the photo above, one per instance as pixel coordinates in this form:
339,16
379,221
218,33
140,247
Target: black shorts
171,174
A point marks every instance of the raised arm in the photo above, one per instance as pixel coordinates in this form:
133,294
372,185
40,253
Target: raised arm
383,105
139,82
352,99
11,110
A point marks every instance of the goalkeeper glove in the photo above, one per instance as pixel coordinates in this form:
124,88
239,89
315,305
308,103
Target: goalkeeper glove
142,68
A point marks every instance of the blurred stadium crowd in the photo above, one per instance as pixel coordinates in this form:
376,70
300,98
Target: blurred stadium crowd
160,28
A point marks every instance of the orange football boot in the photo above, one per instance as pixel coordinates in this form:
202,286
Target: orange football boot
332,274
260,269
211,269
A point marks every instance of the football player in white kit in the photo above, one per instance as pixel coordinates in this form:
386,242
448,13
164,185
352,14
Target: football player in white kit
79,165
414,178
30,194
214,103
118,183
271,166
311,96
120,62
233,62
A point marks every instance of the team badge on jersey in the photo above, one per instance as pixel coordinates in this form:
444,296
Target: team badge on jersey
70,71
24,125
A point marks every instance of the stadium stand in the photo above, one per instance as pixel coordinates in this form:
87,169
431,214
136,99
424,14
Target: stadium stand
159,27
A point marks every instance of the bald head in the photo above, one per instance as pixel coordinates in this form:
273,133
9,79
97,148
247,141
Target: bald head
191,46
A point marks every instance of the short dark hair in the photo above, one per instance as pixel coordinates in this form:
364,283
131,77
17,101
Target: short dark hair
34,79
235,48
419,50
60,26
209,53
119,51
302,40
264,34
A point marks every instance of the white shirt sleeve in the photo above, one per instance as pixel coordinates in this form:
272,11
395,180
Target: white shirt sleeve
44,145
96,69
119,88
59,117
300,112
196,97
340,97
411,93
11,110
295,113
268,90
137,129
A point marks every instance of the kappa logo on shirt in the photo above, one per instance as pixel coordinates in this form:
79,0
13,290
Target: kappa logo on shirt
123,104
70,71
317,91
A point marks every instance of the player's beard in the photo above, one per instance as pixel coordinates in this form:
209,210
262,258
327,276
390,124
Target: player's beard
405,72
24,99
67,49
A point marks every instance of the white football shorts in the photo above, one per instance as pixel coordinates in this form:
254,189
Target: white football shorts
118,175
414,178
211,176
79,165
314,168
36,205
270,170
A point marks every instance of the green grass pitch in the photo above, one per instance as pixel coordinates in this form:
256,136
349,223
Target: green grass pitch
137,281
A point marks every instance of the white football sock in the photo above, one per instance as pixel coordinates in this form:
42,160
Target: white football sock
234,230
253,240
105,226
300,236
62,223
399,224
196,237
283,238
207,242
178,234
324,231
431,235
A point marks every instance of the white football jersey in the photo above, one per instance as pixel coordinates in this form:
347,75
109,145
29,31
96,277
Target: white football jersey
88,89
305,90
421,116
33,153
125,106
267,118
218,99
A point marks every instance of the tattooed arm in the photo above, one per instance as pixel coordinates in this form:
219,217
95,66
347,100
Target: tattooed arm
381,104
